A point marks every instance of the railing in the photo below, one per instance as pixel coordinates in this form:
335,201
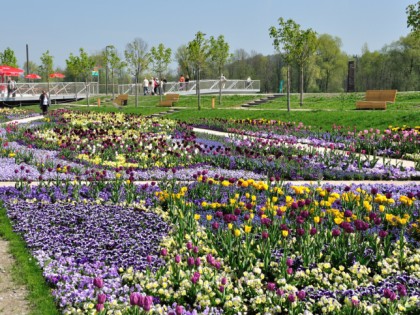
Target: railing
56,89
206,87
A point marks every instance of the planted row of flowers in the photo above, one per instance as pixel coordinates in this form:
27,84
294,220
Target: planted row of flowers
108,141
393,142
224,245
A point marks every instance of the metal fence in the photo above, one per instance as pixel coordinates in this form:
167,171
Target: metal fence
56,89
206,87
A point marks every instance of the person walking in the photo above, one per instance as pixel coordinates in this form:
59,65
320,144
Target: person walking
145,86
223,81
11,88
181,82
44,102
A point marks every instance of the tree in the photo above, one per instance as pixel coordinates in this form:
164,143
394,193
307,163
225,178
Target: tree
81,66
184,64
115,63
198,54
306,42
46,67
160,58
219,54
286,37
137,59
8,58
331,63
413,17
31,66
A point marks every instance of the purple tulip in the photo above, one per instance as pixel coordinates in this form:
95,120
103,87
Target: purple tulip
99,307
313,231
382,234
289,262
101,298
134,298
300,231
149,259
179,309
221,289
164,252
402,290
301,295
147,303
336,232
198,261
390,294
279,292
291,298
189,245
348,213
98,282
177,259
190,261
223,281
140,301
264,235
271,286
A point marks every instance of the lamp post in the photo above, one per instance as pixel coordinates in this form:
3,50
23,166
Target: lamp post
106,73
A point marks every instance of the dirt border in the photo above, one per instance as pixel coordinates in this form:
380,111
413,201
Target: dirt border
12,295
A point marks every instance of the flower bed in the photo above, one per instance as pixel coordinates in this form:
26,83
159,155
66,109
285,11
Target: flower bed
227,246
88,142
232,238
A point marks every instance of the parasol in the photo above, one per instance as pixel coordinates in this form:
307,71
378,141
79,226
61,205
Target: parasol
32,76
10,71
57,75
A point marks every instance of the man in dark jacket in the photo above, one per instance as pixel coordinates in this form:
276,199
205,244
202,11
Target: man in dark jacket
44,102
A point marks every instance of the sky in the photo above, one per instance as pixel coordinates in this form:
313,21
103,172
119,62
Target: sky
65,26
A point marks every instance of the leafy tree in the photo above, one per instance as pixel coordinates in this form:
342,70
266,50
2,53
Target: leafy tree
330,62
184,64
285,38
160,57
219,54
198,54
8,58
306,42
46,67
81,66
413,17
137,59
115,63
31,66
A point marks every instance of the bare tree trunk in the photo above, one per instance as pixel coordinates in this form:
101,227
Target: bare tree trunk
301,85
137,92
220,86
288,88
198,88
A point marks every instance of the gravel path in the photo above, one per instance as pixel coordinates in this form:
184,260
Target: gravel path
12,295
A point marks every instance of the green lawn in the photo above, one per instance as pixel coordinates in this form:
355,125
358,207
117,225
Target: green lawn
318,110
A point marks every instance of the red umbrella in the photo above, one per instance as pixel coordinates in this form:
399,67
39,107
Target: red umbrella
10,71
57,75
32,76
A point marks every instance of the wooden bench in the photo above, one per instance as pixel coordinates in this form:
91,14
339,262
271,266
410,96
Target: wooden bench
169,100
377,99
121,99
